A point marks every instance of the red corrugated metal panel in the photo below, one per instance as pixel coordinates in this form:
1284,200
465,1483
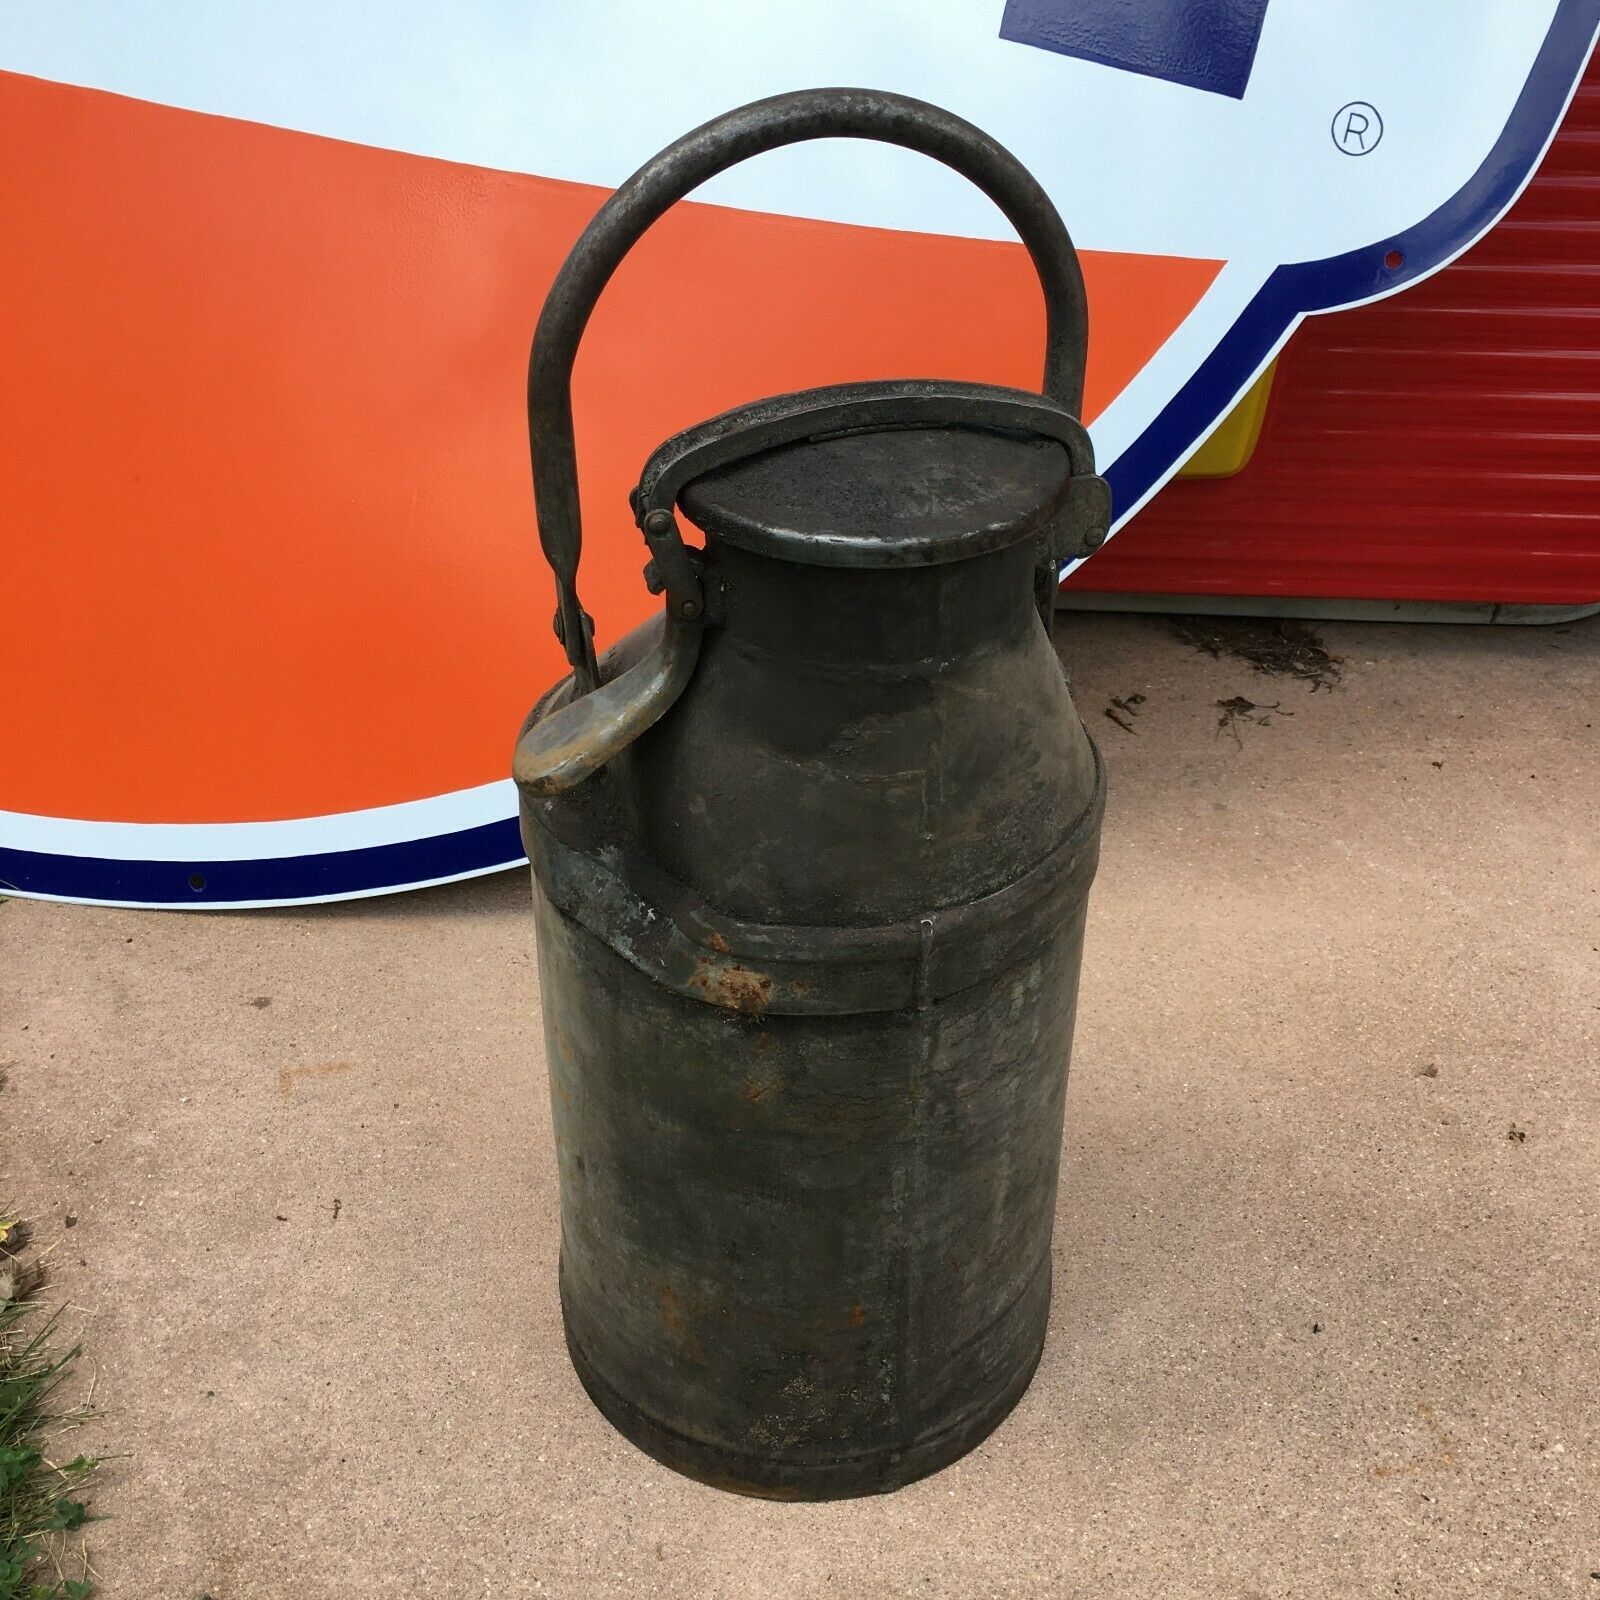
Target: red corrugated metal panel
1440,445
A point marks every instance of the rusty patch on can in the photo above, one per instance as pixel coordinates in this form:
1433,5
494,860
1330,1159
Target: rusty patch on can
730,985
675,1319
717,942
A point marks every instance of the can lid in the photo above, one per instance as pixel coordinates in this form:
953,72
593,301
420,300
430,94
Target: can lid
889,497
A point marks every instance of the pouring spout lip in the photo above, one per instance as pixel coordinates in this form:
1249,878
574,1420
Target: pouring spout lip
568,737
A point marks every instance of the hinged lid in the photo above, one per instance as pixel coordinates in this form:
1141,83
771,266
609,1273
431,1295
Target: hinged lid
907,472
885,498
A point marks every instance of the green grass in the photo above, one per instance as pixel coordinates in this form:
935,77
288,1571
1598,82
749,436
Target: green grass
41,1515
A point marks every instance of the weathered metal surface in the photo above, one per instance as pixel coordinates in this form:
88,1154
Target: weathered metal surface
660,925
805,1257
810,908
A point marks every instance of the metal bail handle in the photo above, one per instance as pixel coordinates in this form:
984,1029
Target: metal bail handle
682,167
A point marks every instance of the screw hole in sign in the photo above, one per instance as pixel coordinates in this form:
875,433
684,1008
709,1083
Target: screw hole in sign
197,881
1394,260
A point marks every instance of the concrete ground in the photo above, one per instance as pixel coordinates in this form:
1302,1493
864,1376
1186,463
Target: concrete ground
1325,1320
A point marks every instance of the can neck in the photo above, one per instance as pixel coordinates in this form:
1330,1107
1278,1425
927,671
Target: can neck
892,619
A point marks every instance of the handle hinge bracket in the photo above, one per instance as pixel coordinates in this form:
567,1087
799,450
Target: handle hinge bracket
671,567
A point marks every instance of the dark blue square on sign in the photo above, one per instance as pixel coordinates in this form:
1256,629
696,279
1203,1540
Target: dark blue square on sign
1206,44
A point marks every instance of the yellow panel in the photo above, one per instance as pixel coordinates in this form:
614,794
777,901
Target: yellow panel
1233,441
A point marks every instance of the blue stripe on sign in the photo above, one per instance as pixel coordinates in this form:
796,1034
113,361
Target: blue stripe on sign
201,883
1205,44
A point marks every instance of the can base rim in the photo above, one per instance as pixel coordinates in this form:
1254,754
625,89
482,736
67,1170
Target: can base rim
878,1472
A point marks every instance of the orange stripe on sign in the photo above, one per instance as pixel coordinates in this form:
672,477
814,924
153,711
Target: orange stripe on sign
270,548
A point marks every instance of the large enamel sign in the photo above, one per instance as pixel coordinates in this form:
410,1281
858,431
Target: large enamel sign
274,604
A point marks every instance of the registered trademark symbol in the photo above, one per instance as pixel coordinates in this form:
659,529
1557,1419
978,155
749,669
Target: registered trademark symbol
1357,128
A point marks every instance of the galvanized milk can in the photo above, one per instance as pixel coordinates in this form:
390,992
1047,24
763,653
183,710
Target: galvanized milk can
811,854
